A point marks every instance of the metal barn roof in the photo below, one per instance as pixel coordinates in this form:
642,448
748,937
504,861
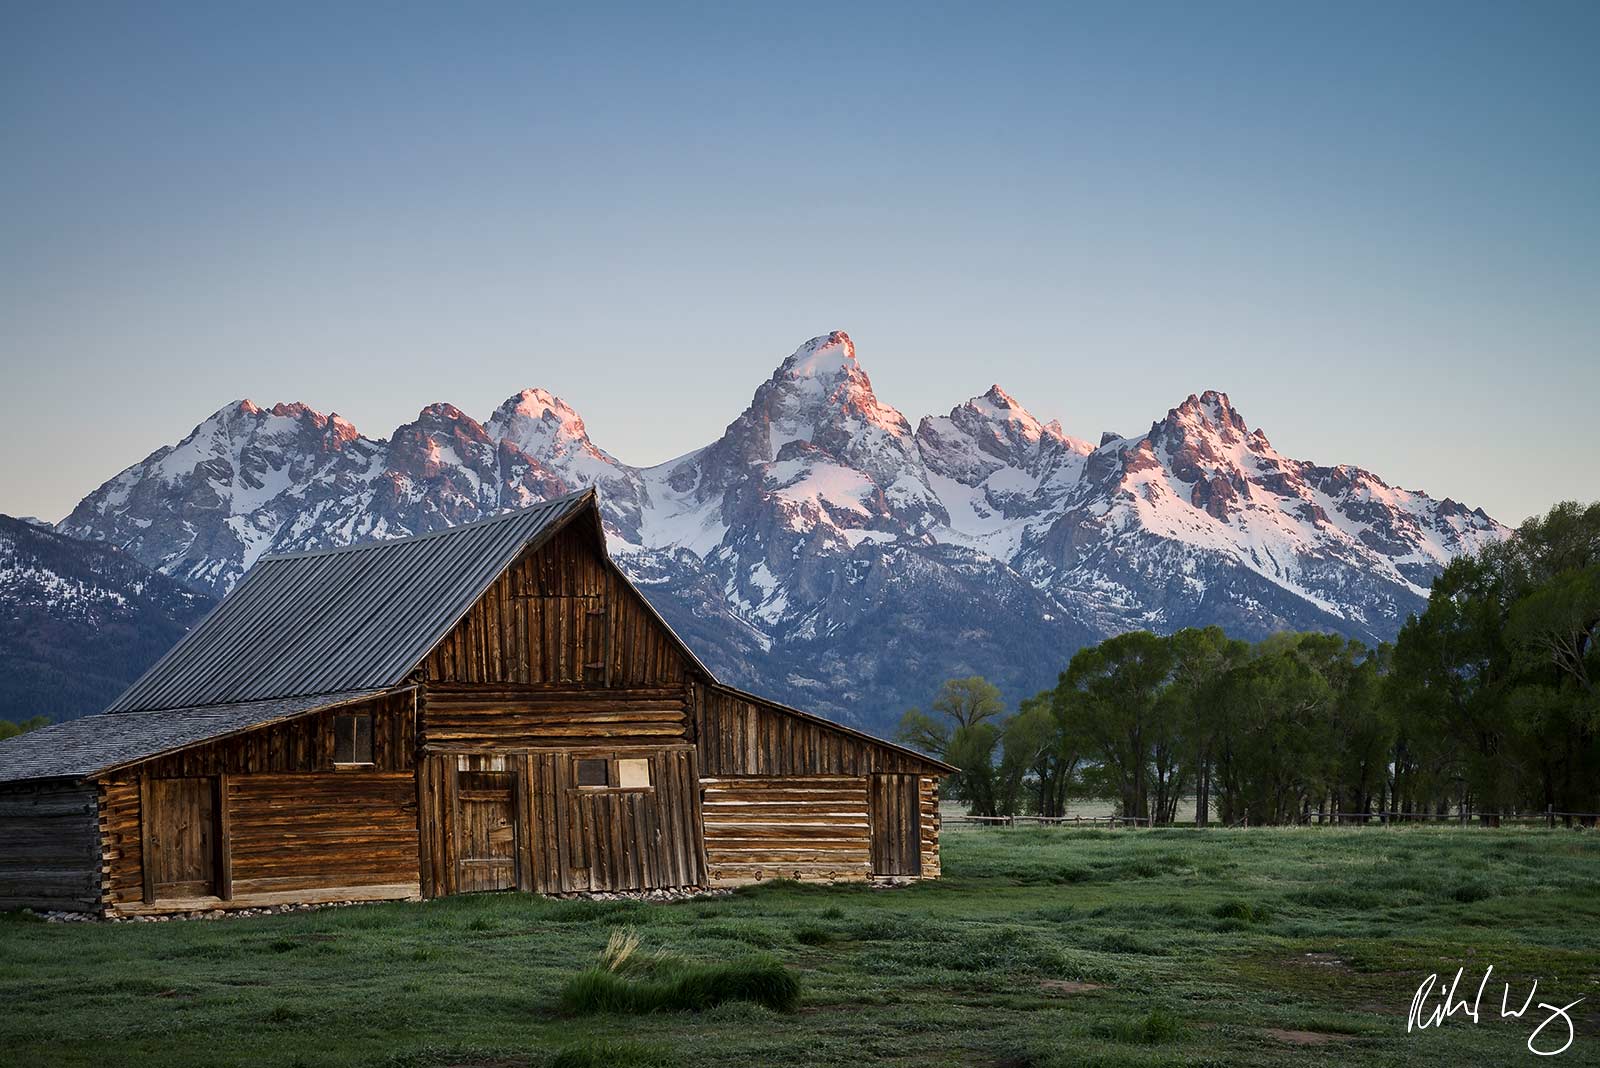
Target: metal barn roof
313,630
92,744
338,620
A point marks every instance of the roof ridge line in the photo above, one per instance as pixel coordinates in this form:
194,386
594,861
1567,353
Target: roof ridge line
364,546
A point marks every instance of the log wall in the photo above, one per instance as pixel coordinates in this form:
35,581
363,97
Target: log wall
787,827
291,825
500,717
930,827
49,846
298,832
787,795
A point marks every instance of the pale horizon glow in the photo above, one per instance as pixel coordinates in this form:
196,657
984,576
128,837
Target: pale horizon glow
1374,227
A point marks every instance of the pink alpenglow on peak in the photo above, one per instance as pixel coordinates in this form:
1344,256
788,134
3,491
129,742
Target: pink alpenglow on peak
546,427
825,356
818,498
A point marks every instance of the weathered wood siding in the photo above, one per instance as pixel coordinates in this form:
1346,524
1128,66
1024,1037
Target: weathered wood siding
739,735
930,827
766,805
567,838
302,744
291,826
614,839
895,811
49,846
298,832
787,827
501,717
560,659
560,614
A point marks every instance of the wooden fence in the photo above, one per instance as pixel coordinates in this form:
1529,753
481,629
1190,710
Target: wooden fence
1465,818
1051,821
1549,818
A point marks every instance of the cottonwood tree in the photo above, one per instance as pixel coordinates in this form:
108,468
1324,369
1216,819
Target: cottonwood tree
966,732
1119,684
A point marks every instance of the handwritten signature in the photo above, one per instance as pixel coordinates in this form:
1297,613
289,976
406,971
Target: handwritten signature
1423,1017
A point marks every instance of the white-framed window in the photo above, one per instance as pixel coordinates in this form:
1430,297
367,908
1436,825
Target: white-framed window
611,773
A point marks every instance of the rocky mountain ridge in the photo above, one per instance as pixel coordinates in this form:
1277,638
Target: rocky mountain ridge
823,550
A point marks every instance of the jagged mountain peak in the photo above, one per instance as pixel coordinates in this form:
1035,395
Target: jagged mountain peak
543,425
535,402
1012,420
825,356
299,411
445,412
1211,409
540,425
822,383
818,518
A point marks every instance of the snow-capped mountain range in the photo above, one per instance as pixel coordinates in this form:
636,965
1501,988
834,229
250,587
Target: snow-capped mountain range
79,621
823,550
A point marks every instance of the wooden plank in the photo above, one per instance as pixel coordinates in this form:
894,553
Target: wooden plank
524,824
146,829
224,839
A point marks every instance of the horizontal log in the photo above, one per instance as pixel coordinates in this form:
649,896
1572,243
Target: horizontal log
48,883
436,733
443,692
757,782
807,832
47,806
72,837
81,903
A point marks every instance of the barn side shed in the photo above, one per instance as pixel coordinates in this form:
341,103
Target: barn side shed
486,707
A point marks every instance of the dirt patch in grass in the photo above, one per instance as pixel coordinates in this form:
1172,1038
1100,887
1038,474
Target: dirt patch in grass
1326,960
1305,1038
1069,986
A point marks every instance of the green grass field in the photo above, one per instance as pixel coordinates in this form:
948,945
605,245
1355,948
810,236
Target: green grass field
1038,948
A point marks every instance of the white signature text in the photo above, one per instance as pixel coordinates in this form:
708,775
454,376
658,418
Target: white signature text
1446,1003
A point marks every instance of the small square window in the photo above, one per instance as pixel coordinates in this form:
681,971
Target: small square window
352,739
633,774
593,771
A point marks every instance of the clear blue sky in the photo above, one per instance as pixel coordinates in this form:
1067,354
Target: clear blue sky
1376,225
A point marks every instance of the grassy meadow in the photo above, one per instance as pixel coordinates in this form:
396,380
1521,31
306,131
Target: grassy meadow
1038,948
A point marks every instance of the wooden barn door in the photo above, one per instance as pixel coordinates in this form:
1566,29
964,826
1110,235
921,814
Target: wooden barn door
180,838
486,831
636,832
896,820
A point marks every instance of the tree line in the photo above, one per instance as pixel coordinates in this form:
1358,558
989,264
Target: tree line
8,729
1486,704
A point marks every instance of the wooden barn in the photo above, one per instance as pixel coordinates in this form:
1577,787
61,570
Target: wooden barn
488,707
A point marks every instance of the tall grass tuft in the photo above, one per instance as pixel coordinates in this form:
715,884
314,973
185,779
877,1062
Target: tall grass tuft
682,987
810,934
619,947
1158,1027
